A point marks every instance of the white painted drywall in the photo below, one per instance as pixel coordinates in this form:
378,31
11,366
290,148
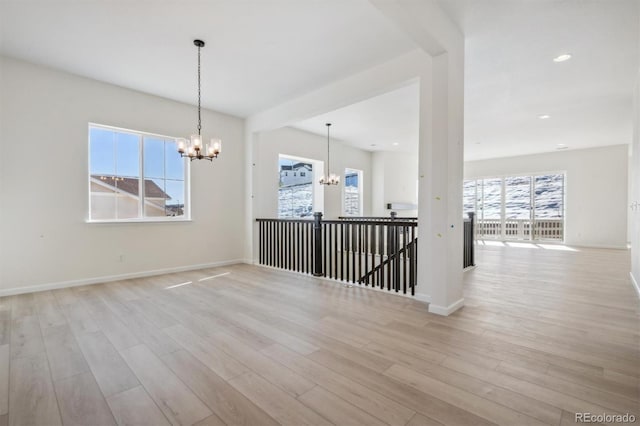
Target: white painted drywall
395,180
596,189
43,170
298,143
635,191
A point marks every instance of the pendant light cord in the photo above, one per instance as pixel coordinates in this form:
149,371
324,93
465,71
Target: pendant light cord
199,115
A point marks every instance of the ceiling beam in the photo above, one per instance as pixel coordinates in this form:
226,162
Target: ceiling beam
394,74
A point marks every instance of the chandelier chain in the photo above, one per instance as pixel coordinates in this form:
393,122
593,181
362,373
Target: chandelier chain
328,153
199,114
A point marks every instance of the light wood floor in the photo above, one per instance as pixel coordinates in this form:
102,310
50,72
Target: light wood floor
544,334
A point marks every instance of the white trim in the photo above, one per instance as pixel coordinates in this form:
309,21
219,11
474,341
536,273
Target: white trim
635,283
446,311
599,246
108,278
125,130
422,297
150,219
553,242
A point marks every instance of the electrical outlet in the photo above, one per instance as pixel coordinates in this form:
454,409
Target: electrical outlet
121,258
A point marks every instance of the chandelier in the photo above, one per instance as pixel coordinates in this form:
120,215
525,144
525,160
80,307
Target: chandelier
193,147
331,179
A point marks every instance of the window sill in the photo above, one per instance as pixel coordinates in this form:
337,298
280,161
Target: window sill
145,220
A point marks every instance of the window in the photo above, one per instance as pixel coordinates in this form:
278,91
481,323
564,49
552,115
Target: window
352,192
135,176
295,191
518,207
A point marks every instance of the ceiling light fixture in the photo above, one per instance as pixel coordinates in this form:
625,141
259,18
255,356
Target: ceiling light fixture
562,58
193,148
544,116
396,144
561,146
331,179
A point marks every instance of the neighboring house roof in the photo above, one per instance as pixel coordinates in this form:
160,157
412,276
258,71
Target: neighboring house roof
131,186
296,166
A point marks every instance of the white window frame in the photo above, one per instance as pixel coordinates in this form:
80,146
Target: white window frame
186,217
360,191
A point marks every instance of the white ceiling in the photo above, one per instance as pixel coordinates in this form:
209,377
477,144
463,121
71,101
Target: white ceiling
259,53
384,120
511,79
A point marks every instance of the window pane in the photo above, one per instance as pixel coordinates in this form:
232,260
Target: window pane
352,192
164,183
102,154
517,197
295,193
468,197
127,155
174,164
492,198
103,204
175,204
102,172
549,196
155,197
153,158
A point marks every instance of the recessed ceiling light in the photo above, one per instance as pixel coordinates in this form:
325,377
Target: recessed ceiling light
562,58
373,144
544,116
396,144
561,146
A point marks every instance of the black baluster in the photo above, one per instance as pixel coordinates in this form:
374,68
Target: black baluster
317,244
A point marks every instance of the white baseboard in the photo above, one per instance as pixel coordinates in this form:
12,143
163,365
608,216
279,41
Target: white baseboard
635,283
559,243
448,310
600,246
110,278
422,297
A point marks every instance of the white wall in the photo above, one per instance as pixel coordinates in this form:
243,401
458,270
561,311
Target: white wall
635,190
395,180
43,169
596,189
297,143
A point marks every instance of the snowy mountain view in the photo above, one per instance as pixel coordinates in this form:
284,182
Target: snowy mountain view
485,197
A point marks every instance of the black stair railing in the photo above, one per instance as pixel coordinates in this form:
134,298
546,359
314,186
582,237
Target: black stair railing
380,253
377,252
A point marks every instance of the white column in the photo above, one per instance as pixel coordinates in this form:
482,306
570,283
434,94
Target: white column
440,185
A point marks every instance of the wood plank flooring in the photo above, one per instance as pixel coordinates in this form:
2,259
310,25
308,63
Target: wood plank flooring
547,332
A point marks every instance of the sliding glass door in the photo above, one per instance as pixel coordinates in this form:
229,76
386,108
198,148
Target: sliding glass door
490,211
549,207
529,207
517,207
